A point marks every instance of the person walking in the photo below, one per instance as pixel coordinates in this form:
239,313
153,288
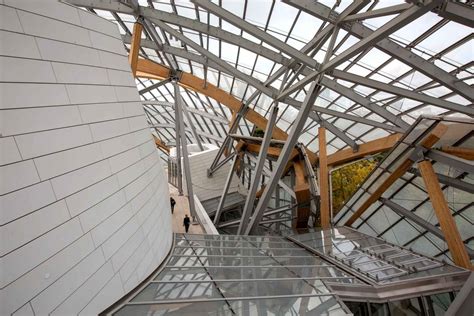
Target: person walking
172,202
186,222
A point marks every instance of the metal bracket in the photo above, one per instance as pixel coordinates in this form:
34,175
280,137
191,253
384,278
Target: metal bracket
140,19
176,74
418,154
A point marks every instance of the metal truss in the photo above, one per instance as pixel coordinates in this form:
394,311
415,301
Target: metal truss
356,102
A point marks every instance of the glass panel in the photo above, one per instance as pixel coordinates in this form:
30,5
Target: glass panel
405,307
183,308
271,288
182,274
289,306
177,290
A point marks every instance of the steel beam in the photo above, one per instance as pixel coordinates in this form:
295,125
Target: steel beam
150,28
187,170
448,105
389,46
367,41
296,129
220,164
226,141
189,109
452,161
226,36
267,213
326,81
453,182
262,156
255,31
282,184
154,86
177,128
394,9
228,181
456,11
252,81
400,210
193,128
357,98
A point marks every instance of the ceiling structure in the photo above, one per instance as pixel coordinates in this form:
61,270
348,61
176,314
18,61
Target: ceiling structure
380,64
366,71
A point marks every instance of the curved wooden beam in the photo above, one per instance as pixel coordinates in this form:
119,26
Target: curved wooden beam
160,144
373,147
151,70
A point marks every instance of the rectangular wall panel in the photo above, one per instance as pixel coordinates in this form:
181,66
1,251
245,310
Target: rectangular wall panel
82,192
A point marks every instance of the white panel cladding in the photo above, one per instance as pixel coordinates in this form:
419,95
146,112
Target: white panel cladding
84,203
206,188
8,151
26,70
9,20
20,45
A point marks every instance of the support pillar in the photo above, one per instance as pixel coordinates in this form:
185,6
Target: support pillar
184,147
135,46
220,206
262,156
290,143
323,180
177,138
445,219
193,128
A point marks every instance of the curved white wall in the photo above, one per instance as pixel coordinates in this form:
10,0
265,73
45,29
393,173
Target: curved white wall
84,200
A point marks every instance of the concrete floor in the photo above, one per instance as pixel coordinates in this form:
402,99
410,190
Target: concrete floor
180,209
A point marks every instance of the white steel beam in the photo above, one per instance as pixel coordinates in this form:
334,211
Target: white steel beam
367,41
255,31
326,81
296,129
252,81
262,156
184,148
390,47
394,9
448,105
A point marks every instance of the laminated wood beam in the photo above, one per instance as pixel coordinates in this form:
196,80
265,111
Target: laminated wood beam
272,151
303,196
445,219
323,179
159,143
461,152
152,70
427,143
369,148
135,47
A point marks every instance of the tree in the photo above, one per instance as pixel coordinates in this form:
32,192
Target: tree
347,179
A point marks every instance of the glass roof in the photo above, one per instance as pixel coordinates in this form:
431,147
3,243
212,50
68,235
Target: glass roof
305,274
418,227
380,89
235,275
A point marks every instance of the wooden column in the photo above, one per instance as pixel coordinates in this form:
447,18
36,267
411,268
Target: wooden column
135,47
303,196
324,179
445,219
